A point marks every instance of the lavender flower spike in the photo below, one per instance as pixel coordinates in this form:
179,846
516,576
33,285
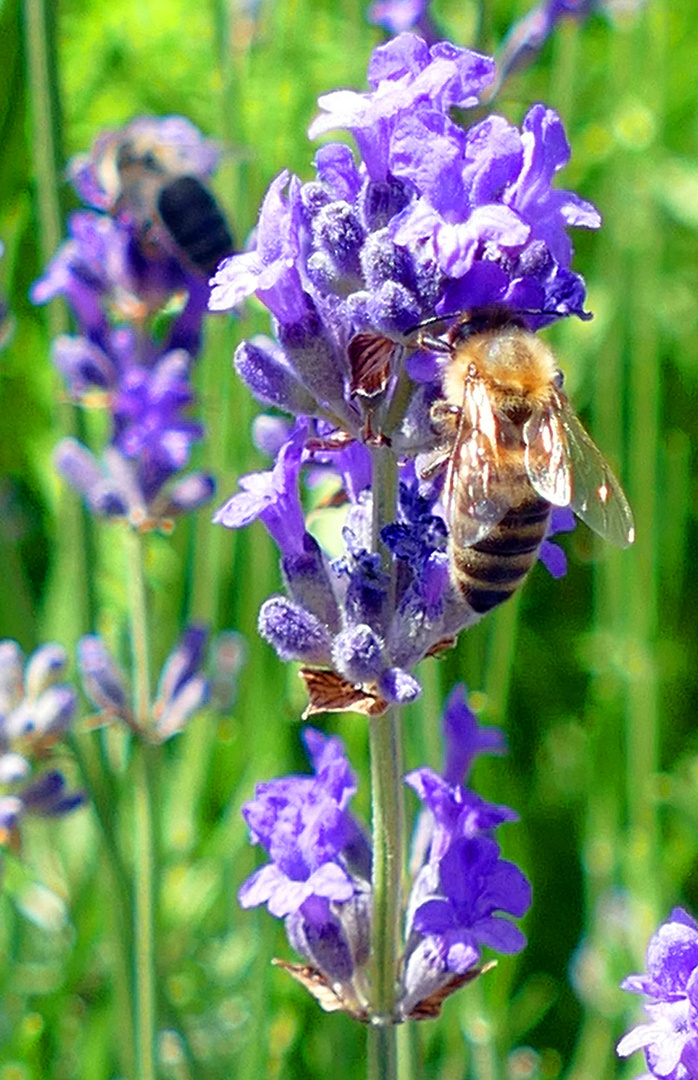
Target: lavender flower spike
318,877
124,264
462,894
462,889
36,707
182,691
431,218
670,1040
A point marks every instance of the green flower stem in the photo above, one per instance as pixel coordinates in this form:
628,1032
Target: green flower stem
382,1052
138,611
384,491
387,851
144,813
44,97
387,823
69,601
144,912
102,793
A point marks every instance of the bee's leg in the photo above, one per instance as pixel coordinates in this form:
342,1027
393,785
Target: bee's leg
445,417
434,463
338,440
430,343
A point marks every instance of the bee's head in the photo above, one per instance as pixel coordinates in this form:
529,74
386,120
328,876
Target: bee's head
484,320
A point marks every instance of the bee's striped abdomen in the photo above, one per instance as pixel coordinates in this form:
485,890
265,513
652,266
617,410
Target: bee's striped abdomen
195,222
492,569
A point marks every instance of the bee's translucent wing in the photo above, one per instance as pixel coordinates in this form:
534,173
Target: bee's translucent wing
566,467
547,456
474,494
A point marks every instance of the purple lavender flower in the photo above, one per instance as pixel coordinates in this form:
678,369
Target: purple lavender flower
116,277
432,219
182,691
431,213
527,36
37,707
304,824
670,1040
318,876
462,889
399,15
341,612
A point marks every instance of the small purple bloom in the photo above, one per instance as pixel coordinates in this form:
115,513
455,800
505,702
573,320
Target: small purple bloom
118,487
462,889
102,680
35,703
670,1040
551,555
464,739
273,497
304,824
268,269
36,708
182,689
399,15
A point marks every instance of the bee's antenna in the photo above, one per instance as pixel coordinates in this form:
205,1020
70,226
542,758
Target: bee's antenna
495,315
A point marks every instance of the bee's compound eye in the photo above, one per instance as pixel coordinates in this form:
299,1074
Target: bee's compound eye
125,155
149,161
559,379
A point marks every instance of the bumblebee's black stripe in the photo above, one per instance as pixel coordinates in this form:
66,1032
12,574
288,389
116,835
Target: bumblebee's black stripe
490,571
195,221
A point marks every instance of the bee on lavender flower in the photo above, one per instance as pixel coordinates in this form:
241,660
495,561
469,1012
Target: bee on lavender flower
512,448
173,211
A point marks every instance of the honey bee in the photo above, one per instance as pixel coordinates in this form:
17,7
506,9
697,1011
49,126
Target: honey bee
513,449
155,184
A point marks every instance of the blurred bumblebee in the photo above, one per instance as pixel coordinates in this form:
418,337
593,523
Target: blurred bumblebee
155,186
512,448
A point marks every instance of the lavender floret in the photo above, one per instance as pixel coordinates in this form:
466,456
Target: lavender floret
670,1040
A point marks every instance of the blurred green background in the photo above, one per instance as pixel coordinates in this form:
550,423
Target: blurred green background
594,677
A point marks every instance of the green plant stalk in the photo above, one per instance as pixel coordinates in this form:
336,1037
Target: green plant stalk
643,710
382,1056
44,96
69,600
102,795
387,822
384,734
145,830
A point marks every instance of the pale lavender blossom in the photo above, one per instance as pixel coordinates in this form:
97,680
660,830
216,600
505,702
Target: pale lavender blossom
182,692
528,36
670,988
400,15
37,707
117,277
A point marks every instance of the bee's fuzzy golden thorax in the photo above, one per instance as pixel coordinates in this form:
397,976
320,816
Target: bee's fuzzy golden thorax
517,367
